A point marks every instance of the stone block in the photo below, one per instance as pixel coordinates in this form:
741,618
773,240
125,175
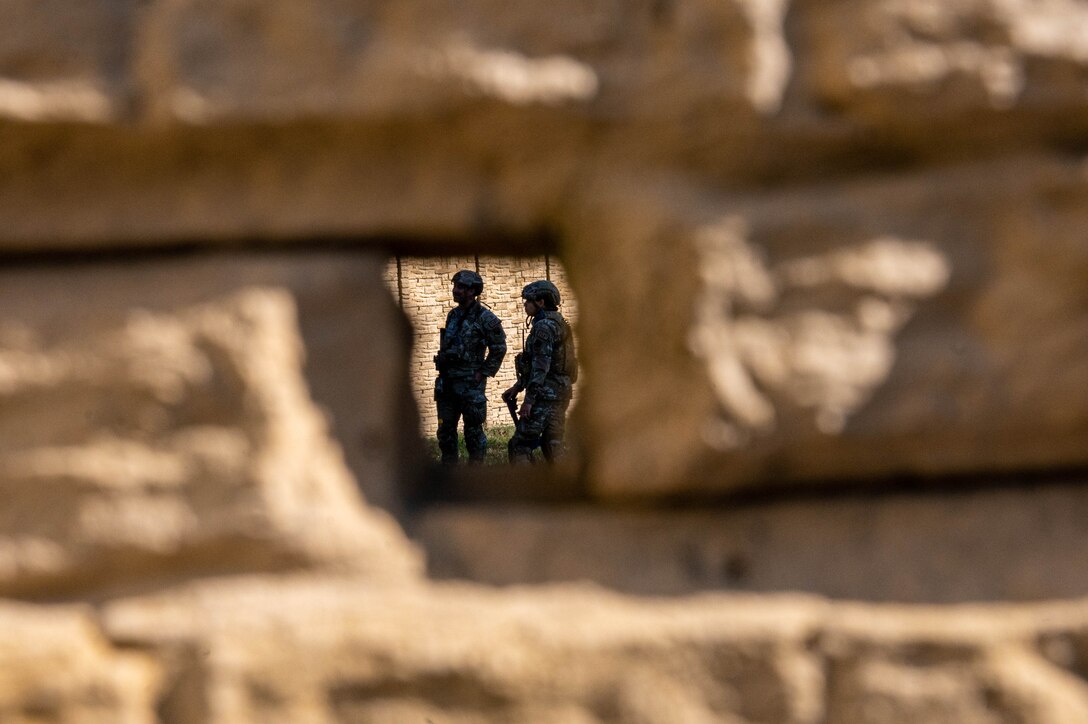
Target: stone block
157,421
973,664
200,62
426,121
915,63
924,325
65,62
979,545
56,665
321,649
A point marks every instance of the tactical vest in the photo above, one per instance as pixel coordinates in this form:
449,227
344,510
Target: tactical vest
455,354
567,362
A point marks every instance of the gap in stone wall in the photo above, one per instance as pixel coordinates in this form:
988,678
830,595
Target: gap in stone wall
352,337
422,287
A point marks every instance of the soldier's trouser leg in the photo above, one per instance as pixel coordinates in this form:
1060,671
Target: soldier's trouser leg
516,453
551,439
448,415
474,407
529,431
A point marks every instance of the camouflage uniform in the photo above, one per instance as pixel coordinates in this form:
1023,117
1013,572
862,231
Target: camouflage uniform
467,335
548,372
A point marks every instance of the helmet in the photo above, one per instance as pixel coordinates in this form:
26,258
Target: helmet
542,290
470,279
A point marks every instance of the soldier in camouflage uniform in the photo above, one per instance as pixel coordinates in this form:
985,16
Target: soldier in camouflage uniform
547,371
471,330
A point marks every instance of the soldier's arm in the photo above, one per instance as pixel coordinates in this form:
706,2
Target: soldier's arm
519,383
495,338
543,349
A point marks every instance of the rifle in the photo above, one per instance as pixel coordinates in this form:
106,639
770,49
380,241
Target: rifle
520,374
440,358
512,405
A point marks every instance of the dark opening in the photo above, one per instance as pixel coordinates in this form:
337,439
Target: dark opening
422,287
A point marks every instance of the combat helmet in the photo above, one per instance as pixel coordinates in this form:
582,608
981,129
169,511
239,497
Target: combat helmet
543,290
470,279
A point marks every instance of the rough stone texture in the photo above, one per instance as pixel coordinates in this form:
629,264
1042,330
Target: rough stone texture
46,77
920,324
327,650
960,665
207,61
422,287
915,64
984,545
811,239
541,655
155,422
57,666
324,649
336,651
706,122
436,120
699,134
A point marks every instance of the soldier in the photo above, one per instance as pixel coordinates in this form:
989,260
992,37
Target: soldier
471,329
547,371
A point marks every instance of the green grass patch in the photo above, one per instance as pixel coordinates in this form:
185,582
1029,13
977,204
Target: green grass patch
497,437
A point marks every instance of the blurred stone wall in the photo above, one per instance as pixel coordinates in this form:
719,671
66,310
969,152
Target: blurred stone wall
422,287
829,258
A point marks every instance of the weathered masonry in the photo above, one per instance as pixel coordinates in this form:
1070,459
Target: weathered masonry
829,259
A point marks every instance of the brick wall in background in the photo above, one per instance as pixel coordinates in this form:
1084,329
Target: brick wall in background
422,286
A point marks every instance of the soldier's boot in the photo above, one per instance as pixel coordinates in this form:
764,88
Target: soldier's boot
447,441
476,442
521,458
518,453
